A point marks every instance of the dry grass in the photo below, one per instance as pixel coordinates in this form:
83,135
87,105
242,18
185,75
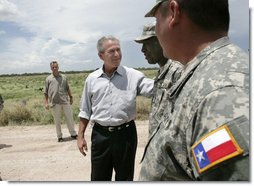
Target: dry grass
24,102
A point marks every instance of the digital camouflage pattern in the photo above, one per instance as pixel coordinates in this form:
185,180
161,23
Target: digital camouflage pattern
165,78
213,90
148,32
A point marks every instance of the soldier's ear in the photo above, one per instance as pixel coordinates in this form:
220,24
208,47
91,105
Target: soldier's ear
174,13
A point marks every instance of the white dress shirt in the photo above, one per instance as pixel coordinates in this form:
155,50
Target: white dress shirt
111,101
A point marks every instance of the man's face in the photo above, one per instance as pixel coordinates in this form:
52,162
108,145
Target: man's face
161,29
112,54
54,68
152,50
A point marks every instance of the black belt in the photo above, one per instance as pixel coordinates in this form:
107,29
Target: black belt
115,128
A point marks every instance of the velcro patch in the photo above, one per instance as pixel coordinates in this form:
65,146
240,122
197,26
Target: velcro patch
214,148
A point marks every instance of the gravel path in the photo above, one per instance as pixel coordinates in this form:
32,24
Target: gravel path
32,153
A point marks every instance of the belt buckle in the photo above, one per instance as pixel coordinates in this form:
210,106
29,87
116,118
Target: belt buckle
111,129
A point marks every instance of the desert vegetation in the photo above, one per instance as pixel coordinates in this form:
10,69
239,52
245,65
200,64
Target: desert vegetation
24,99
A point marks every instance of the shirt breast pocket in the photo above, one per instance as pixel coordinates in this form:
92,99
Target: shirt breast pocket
124,99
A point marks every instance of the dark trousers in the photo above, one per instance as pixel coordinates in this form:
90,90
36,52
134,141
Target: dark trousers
113,150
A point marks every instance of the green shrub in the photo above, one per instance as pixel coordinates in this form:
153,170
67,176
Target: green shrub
41,116
20,114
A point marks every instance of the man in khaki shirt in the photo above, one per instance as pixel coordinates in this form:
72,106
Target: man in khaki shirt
56,94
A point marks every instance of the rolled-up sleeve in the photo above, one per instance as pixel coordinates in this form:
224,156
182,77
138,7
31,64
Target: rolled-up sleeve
85,103
146,87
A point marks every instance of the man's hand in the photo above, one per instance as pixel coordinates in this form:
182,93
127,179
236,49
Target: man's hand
47,106
82,145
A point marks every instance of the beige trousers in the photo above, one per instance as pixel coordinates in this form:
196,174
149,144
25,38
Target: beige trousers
56,112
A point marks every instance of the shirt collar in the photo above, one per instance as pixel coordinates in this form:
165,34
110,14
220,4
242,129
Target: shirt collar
119,70
59,75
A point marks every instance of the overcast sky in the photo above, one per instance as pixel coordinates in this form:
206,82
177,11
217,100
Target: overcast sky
35,32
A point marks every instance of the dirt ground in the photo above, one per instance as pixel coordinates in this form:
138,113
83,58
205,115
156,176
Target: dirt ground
32,153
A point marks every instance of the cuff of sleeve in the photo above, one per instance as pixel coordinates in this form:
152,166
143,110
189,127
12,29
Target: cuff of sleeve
83,114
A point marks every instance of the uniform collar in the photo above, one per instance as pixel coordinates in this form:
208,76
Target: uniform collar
193,64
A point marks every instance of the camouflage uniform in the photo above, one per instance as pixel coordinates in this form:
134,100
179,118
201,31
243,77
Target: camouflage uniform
212,91
165,78
169,72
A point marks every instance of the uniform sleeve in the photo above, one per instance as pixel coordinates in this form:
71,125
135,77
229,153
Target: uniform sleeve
225,111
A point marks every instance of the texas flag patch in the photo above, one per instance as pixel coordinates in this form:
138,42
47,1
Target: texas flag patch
214,148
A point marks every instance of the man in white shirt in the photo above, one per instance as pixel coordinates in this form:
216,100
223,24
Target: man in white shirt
109,101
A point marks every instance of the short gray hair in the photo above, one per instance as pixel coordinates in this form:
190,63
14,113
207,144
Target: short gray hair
53,62
102,40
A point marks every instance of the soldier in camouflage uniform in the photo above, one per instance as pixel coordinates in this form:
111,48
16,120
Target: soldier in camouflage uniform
203,131
154,54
